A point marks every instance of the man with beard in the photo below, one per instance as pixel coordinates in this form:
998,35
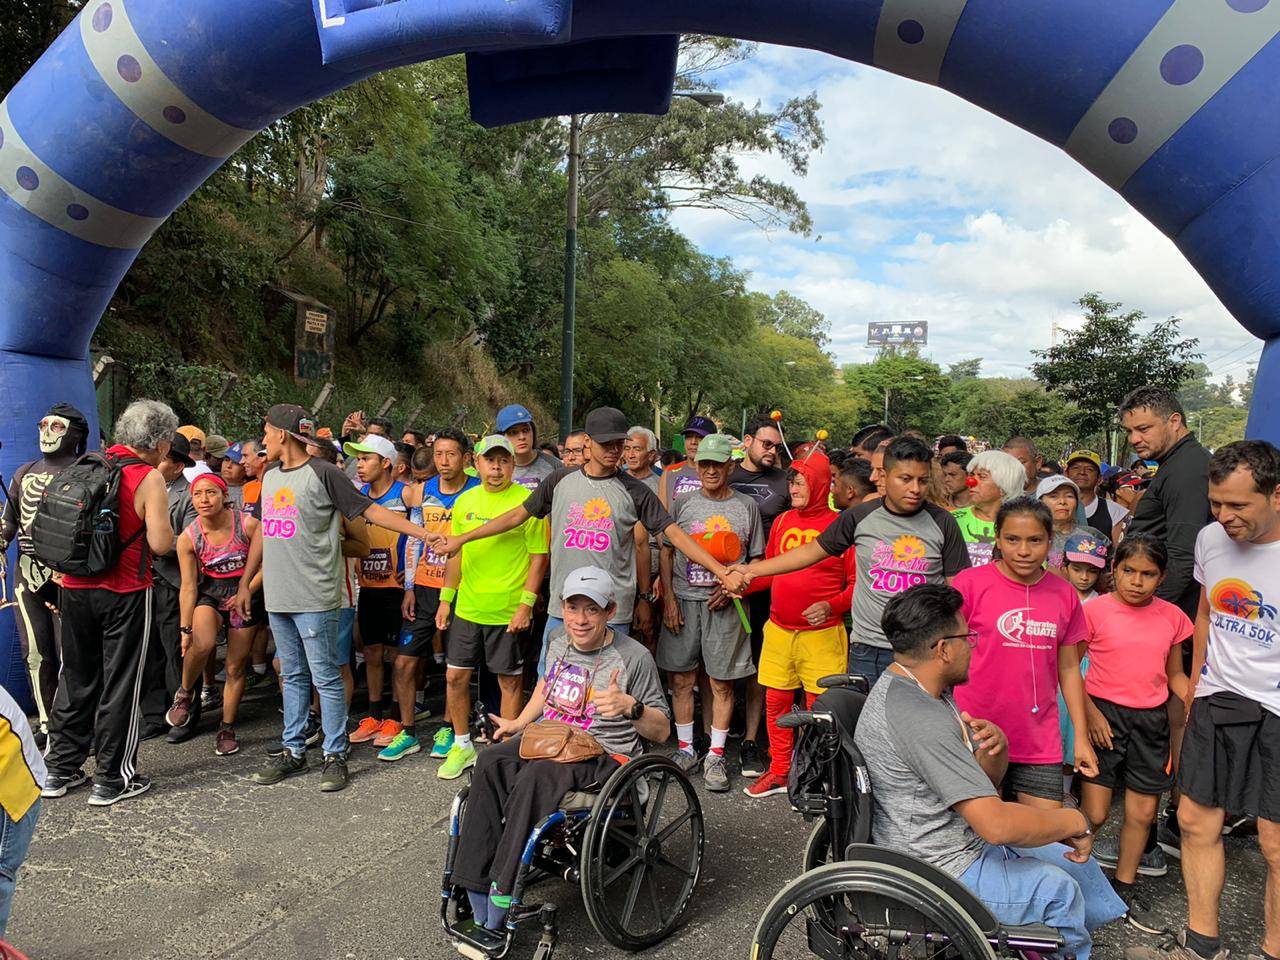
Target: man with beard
63,432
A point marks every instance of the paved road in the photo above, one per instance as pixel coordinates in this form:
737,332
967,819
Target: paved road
211,865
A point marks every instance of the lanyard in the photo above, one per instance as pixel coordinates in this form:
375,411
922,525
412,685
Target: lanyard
964,731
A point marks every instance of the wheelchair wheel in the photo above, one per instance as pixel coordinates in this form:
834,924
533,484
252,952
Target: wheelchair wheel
642,853
855,910
817,849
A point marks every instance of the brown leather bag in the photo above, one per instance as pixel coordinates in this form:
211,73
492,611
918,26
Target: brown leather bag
558,741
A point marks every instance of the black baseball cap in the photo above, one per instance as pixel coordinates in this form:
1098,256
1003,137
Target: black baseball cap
180,450
606,424
699,426
293,420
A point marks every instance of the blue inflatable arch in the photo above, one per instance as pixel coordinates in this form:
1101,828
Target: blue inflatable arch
1171,102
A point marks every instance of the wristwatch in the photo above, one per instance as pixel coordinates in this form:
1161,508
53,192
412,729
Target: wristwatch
636,711
185,631
648,597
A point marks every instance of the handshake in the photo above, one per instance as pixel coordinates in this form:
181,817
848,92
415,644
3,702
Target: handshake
737,578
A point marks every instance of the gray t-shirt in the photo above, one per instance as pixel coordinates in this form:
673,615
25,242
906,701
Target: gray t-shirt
182,513
697,514
302,569
921,765
592,523
895,553
532,474
679,480
573,677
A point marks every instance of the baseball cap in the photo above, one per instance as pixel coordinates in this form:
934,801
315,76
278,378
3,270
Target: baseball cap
1087,548
1055,482
1085,455
606,424
590,582
292,419
216,445
372,443
513,415
699,425
235,452
180,450
495,441
192,433
717,447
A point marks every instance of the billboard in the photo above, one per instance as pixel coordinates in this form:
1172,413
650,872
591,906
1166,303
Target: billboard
881,334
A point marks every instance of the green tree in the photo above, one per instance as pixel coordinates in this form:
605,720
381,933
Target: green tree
1113,353
910,392
26,29
788,314
964,370
995,409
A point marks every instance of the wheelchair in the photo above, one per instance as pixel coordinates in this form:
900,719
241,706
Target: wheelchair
857,901
634,848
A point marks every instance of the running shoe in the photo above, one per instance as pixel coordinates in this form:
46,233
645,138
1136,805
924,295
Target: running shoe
442,743
253,679
458,760
766,785
421,711
103,795
226,742
57,786
1175,948
179,715
686,760
752,759
1169,837
367,729
312,733
402,746
715,772
389,730
1152,864
210,696
1141,917
335,776
278,768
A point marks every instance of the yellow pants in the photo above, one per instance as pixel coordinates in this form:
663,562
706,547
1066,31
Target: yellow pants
800,658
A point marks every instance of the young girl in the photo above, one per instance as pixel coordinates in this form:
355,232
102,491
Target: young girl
1086,557
1135,661
1028,623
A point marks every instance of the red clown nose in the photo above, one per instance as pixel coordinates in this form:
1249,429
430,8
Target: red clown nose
971,481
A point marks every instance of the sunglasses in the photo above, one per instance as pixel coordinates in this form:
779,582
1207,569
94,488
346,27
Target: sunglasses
769,444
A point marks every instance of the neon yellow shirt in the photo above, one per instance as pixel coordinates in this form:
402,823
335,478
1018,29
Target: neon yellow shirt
494,569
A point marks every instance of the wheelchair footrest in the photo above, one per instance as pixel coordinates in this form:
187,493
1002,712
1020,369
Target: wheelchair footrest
486,942
1033,936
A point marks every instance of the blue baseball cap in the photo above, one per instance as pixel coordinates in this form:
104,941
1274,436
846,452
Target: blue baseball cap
512,416
235,452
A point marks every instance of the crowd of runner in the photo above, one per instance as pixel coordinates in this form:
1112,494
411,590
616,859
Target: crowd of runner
1104,628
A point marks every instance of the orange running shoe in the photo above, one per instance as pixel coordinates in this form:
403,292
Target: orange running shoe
366,731
387,732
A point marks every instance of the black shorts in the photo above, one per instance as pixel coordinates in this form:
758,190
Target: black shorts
1231,757
1042,780
758,615
216,595
469,645
1139,756
422,629
378,614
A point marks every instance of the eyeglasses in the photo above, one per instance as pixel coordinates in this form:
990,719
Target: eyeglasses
769,444
576,451
971,638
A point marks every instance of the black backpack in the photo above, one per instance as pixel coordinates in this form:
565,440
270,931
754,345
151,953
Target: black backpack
76,528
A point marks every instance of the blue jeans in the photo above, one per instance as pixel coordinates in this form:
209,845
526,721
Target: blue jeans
869,661
554,624
1040,885
14,840
307,644
346,635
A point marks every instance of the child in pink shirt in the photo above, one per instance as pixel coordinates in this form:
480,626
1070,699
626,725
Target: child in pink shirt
1028,623
1134,662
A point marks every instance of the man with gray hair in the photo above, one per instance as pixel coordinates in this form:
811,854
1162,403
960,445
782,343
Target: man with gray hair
106,624
1023,449
640,453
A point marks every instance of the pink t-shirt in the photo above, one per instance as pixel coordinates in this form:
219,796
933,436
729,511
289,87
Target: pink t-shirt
1128,649
1013,676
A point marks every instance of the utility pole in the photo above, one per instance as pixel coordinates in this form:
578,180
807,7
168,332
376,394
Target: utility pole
570,284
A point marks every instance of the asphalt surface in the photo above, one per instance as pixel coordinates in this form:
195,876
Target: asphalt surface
211,865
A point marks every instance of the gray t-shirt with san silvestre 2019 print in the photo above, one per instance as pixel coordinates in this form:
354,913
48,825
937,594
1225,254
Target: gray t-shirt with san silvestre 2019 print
697,515
921,765
302,567
896,552
593,525
574,677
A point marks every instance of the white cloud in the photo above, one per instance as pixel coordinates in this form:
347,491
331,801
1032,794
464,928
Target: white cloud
928,208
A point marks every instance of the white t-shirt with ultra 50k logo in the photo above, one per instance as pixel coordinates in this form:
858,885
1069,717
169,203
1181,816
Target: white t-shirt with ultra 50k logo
1242,583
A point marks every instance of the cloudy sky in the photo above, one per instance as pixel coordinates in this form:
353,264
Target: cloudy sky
928,208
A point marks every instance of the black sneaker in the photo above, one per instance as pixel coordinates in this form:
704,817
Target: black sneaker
752,759
280,767
104,796
152,730
1239,826
335,776
57,786
312,733
1169,837
1141,917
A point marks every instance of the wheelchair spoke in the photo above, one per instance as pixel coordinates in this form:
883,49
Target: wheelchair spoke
653,897
620,870
633,894
675,825
655,815
671,864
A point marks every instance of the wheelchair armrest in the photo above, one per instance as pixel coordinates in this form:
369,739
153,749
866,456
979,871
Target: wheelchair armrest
803,718
852,681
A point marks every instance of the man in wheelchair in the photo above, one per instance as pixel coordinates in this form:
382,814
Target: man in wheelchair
935,782
598,681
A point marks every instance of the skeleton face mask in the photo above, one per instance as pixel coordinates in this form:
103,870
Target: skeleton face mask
53,431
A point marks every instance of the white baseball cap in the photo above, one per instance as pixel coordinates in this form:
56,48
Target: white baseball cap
590,582
372,443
